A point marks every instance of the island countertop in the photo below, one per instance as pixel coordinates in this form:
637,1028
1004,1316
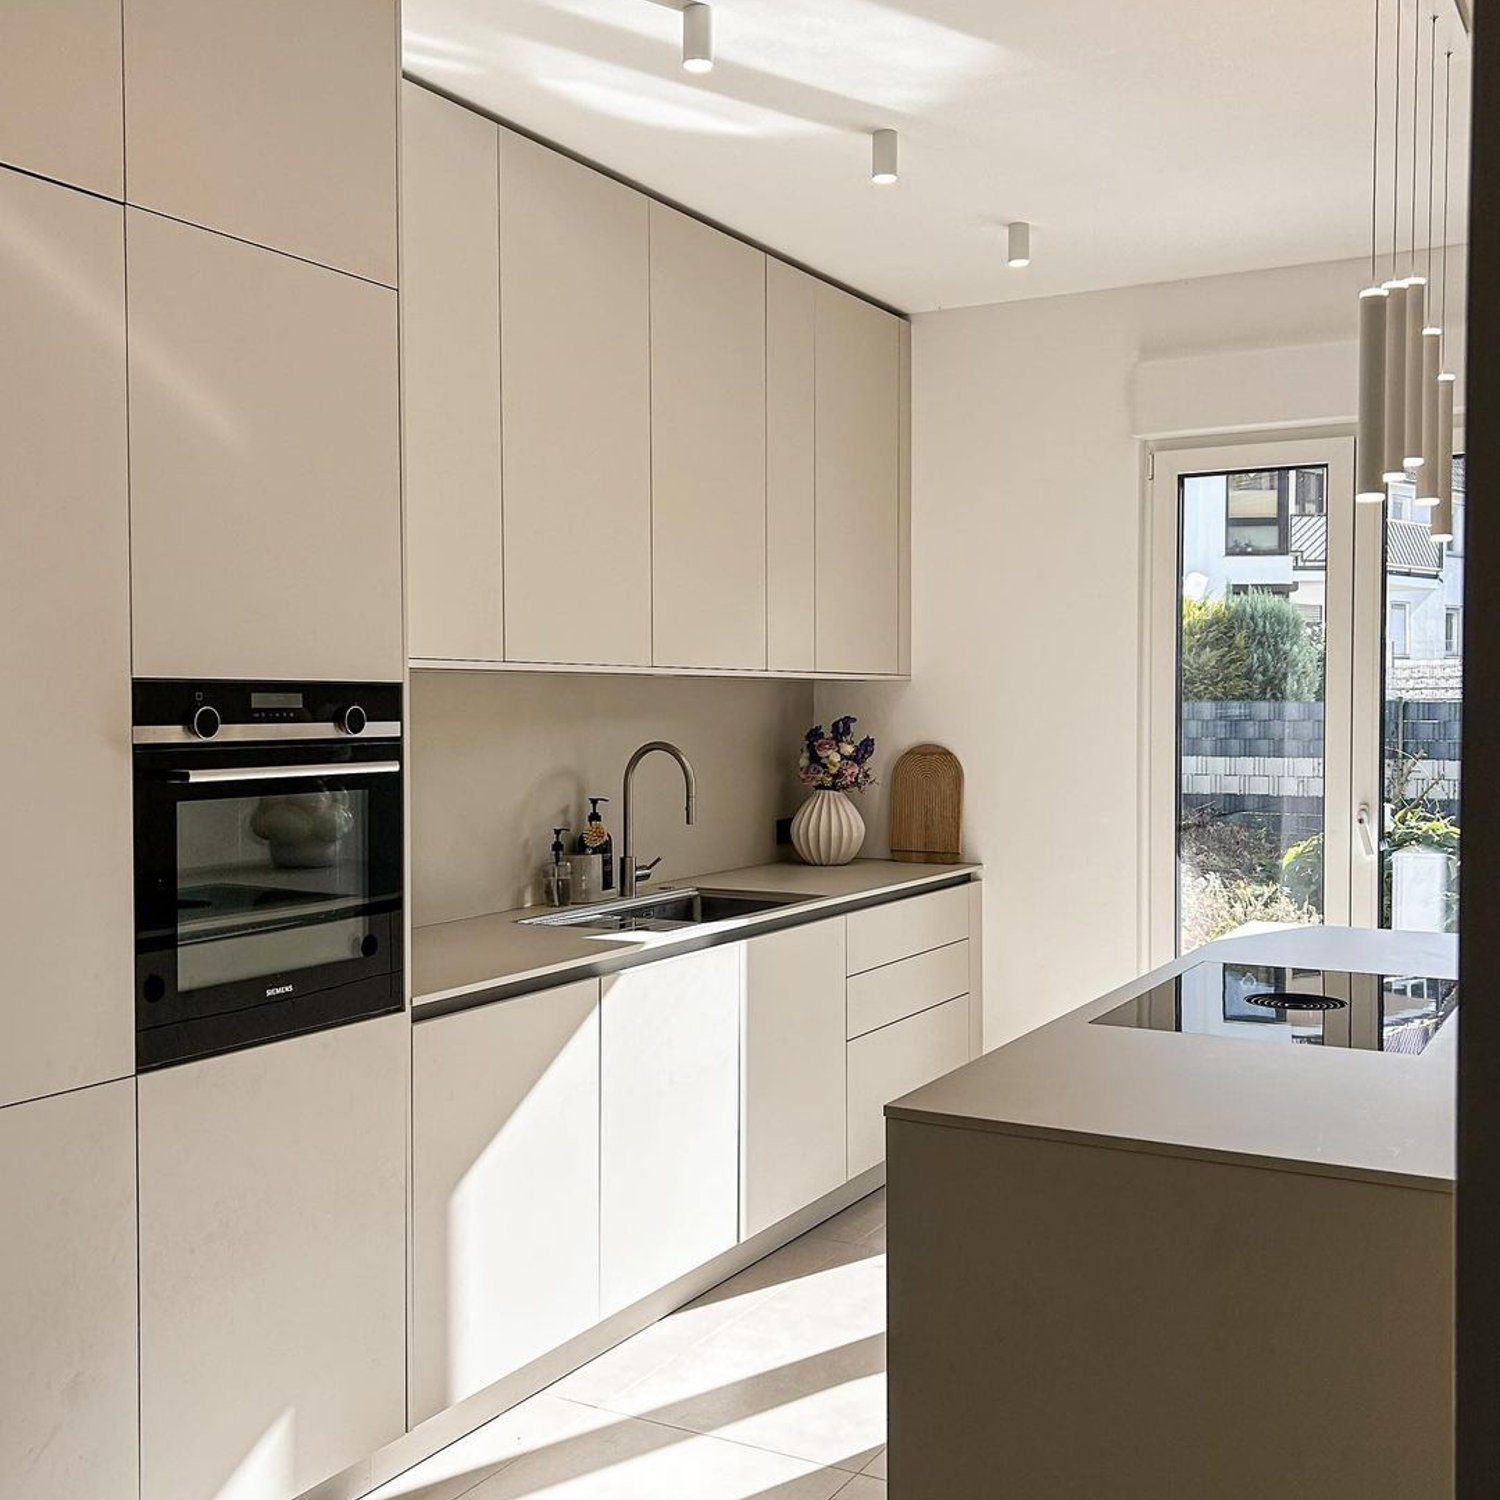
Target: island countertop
1327,1110
478,959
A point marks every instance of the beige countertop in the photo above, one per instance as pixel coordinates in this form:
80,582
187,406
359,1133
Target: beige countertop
1327,1110
470,958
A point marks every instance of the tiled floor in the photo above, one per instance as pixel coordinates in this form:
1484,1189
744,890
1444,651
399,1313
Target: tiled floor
769,1387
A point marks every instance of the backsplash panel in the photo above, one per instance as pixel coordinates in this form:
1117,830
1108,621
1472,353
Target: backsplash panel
498,759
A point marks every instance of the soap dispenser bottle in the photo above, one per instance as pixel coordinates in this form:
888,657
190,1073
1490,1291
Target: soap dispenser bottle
557,877
596,839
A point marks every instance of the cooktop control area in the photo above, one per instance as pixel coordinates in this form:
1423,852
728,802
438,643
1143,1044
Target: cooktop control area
1309,1007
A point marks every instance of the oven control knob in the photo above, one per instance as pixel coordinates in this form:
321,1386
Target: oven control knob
354,719
205,722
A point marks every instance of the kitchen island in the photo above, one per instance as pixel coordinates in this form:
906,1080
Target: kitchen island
1192,1239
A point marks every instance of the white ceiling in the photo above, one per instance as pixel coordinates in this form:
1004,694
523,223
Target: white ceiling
1146,140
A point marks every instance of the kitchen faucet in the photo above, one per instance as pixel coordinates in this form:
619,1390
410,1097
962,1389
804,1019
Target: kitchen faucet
628,868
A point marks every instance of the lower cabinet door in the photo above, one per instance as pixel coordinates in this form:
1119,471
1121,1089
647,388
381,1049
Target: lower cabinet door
67,1296
669,1120
792,1072
272,1260
505,1189
893,1061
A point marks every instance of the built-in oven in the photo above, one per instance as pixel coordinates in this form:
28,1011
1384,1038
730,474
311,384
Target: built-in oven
268,862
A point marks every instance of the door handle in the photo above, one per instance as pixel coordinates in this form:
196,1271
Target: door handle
1366,831
286,773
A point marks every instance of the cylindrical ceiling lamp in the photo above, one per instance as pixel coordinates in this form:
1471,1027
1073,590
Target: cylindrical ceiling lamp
1416,321
1395,381
1441,524
1432,365
1018,244
1369,445
697,38
883,157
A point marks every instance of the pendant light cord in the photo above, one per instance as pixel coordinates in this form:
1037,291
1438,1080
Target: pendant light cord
1431,133
1396,150
1375,151
1447,146
1416,75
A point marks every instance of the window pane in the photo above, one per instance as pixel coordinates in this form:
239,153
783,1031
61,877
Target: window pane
1423,707
1250,711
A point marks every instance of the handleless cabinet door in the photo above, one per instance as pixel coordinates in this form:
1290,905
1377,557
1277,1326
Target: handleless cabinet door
65,856
792,1144
60,95
708,445
505,1189
790,508
669,1121
67,1296
273,1263
450,365
265,475
576,403
271,120
858,485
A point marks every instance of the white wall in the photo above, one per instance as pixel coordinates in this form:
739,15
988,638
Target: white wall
1027,488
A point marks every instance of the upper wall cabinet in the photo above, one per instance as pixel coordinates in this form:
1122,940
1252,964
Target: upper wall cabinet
708,445
576,399
271,120
450,365
60,94
858,477
65,859
265,471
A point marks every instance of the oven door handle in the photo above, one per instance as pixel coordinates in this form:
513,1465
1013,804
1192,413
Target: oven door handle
202,774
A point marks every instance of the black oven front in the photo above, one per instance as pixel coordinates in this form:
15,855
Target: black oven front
268,862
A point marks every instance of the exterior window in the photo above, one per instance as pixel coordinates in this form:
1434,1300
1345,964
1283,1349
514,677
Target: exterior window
1453,632
1313,614
1256,513
1398,630
1308,499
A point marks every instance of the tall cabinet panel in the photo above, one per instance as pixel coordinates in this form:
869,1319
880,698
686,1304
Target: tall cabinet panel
265,477
858,489
576,401
271,120
60,93
273,1263
450,366
790,507
708,445
67,1296
505,1189
65,857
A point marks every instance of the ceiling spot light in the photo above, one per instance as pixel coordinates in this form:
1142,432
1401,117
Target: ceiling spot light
697,38
1018,244
883,157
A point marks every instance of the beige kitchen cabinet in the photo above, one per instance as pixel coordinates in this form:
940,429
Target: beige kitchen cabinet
792,1115
273,1263
65,857
450,367
67,1296
576,411
708,445
505,1189
61,112
265,474
669,1121
270,120
791,297
858,509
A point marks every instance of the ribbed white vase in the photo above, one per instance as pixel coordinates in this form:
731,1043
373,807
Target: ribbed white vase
827,829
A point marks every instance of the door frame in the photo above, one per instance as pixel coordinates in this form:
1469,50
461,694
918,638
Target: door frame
1349,894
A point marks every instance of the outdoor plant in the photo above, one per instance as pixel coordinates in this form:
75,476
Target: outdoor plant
833,760
1212,906
1253,647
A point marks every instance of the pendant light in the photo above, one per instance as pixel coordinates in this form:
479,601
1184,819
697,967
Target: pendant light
1416,285
1369,448
1432,336
1441,523
1395,310
697,38
883,158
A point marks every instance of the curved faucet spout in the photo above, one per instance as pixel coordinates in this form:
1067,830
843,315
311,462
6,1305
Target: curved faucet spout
690,806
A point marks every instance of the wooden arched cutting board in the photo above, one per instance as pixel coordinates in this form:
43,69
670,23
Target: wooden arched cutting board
927,806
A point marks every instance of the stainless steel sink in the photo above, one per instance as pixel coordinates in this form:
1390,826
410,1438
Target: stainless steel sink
666,911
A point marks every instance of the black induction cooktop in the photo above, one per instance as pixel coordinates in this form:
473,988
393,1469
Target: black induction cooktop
1307,1007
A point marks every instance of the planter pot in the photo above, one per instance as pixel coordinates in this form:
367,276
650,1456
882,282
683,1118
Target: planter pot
827,829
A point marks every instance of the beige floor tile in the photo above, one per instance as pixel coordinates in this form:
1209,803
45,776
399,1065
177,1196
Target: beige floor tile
876,1466
862,1487
856,1221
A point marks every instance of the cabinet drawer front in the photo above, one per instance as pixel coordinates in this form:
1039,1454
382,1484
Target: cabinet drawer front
893,1061
884,934
878,997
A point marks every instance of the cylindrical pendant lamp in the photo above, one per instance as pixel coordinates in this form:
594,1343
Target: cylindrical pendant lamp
1395,381
883,157
1432,364
1369,448
1441,524
1416,321
697,38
